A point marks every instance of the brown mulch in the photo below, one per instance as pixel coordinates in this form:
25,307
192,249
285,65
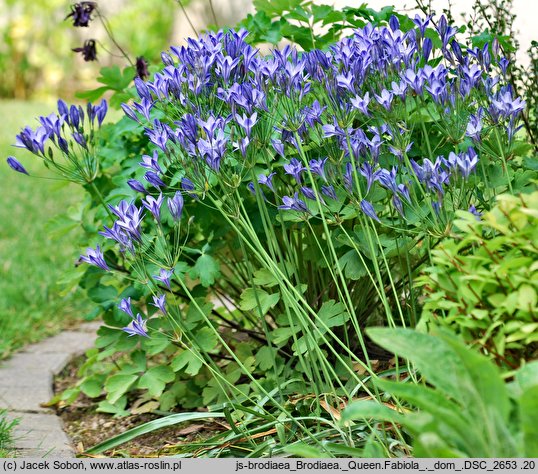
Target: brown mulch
86,427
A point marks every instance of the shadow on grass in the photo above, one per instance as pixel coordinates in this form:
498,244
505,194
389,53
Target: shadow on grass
32,303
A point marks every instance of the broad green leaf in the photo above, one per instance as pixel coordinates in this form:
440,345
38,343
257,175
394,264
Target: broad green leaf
92,95
196,312
528,414
106,337
281,335
206,269
117,408
155,379
61,225
485,384
275,8
373,449
70,395
93,386
430,445
449,420
265,277
474,379
103,294
320,12
260,300
206,339
167,400
265,357
352,265
526,377
369,409
155,344
331,314
118,384
139,360
189,360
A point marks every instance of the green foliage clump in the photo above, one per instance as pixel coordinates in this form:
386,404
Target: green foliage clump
483,283
310,25
470,413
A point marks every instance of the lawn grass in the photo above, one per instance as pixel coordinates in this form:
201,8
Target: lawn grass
31,261
6,439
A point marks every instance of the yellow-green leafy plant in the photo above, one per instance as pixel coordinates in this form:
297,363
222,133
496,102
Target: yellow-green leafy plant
483,282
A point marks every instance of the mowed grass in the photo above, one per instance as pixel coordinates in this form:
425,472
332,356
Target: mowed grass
31,261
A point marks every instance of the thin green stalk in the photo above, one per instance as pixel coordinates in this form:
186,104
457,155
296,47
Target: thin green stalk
101,199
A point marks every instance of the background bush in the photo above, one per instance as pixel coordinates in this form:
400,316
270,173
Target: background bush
483,283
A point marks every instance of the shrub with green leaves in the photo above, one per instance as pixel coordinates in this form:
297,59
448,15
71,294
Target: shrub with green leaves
483,283
465,408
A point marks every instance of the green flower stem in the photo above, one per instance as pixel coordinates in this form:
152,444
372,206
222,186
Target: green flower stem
101,199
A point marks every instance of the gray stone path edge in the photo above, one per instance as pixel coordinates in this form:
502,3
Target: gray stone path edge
26,382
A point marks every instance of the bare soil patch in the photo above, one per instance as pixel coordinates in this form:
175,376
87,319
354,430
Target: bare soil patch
86,427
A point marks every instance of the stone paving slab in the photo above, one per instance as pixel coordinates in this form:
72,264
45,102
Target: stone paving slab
71,342
52,362
42,433
26,398
26,382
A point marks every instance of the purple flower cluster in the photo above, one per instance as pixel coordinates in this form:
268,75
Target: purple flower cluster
126,229
346,108
318,131
138,325
70,132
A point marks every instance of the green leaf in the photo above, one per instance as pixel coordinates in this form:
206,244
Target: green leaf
352,265
373,449
93,386
139,360
530,163
265,357
189,360
526,377
61,225
274,8
298,34
70,395
303,450
528,414
92,95
150,427
103,294
265,277
474,379
117,408
167,400
320,12
119,384
155,344
206,339
369,409
116,79
332,314
155,379
196,312
107,337
255,298
206,269
448,420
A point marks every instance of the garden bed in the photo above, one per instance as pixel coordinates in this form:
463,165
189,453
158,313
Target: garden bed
86,427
